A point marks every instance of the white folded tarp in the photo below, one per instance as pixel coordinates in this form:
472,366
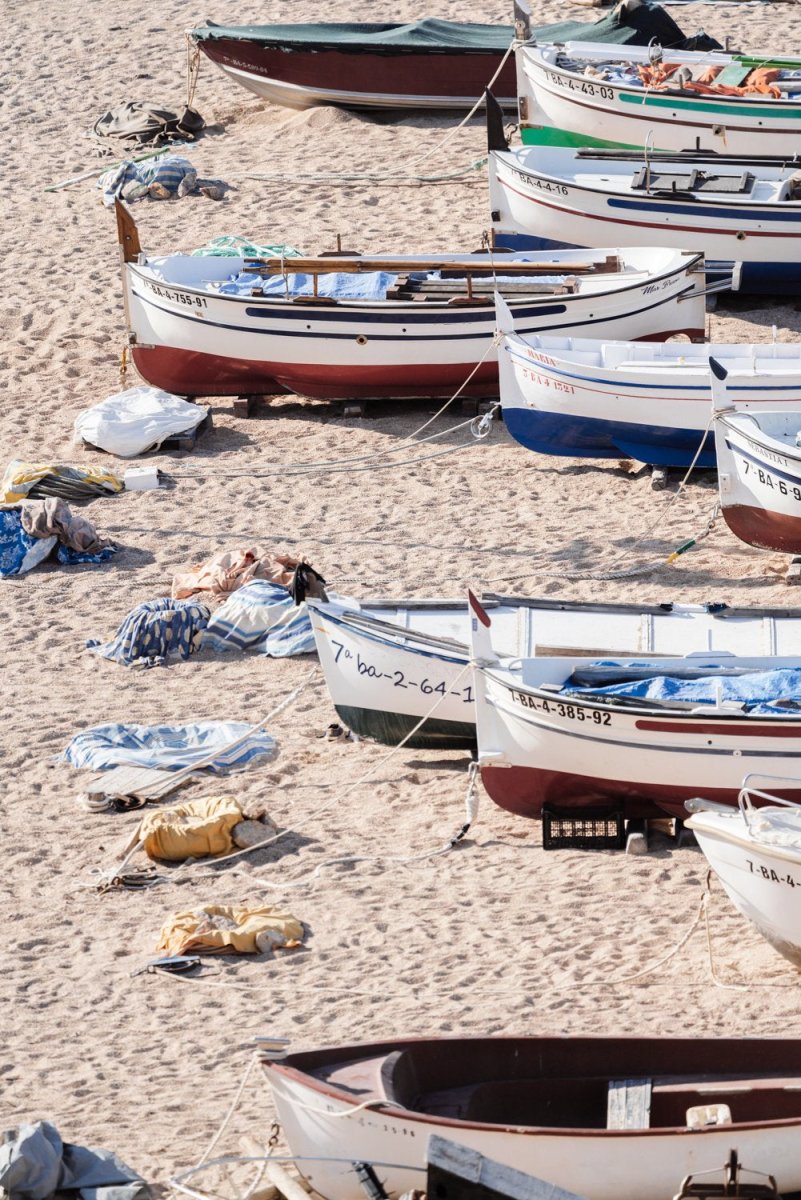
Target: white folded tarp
135,420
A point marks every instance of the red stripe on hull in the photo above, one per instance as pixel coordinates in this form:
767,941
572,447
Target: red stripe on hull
194,373
605,219
451,76
525,790
738,729
766,530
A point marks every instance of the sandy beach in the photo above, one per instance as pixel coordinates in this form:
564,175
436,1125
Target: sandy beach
497,936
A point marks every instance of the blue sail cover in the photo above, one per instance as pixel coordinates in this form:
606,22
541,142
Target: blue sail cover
761,692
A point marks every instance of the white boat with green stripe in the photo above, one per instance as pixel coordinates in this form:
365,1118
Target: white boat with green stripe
590,94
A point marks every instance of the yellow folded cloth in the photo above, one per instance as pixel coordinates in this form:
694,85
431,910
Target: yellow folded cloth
196,829
221,927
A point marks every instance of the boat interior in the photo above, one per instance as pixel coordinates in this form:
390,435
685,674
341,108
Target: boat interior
784,427
576,1083
757,359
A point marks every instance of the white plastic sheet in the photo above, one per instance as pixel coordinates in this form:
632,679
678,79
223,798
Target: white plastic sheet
138,419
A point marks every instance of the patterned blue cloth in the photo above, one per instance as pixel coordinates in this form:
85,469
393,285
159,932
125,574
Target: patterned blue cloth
155,631
66,554
260,616
169,171
170,747
19,552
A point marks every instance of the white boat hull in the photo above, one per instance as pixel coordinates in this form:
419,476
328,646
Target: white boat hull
538,748
762,881
582,397
190,340
386,666
567,203
759,479
646,1165
566,107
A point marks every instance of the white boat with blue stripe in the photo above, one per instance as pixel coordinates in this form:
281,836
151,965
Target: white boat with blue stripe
586,398
735,209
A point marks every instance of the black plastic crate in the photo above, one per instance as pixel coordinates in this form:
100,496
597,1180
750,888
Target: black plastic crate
583,829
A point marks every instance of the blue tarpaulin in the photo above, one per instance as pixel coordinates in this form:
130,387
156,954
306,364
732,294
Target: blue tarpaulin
758,691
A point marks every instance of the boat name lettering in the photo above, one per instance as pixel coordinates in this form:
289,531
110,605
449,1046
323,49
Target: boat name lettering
543,358
581,85
399,679
770,874
544,185
573,712
176,297
768,480
649,288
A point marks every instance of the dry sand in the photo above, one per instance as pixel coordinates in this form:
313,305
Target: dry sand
496,937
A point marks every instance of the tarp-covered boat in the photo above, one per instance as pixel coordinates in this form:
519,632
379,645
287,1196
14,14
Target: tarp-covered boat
631,735
373,327
427,64
605,1118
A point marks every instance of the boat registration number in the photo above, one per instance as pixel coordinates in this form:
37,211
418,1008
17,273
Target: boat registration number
175,296
557,708
542,185
546,382
768,480
427,686
771,875
581,85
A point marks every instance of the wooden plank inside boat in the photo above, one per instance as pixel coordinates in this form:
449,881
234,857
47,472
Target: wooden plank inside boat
629,1104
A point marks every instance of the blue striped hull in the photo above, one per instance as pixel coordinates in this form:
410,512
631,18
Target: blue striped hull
588,437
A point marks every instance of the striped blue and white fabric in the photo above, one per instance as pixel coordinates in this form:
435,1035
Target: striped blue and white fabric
132,180
234,744
154,632
260,616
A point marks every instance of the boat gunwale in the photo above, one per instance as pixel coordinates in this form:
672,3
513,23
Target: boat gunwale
501,676
644,95
792,453
295,1074
647,279
744,842
511,160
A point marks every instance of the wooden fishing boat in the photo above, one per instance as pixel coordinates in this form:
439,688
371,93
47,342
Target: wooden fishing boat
569,732
581,94
756,854
737,209
759,467
206,326
387,663
587,398
428,64
606,1118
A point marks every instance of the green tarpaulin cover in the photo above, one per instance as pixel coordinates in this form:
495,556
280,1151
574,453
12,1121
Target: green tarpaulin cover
635,27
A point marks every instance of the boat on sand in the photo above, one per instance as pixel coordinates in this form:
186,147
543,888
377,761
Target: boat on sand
606,1118
358,327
